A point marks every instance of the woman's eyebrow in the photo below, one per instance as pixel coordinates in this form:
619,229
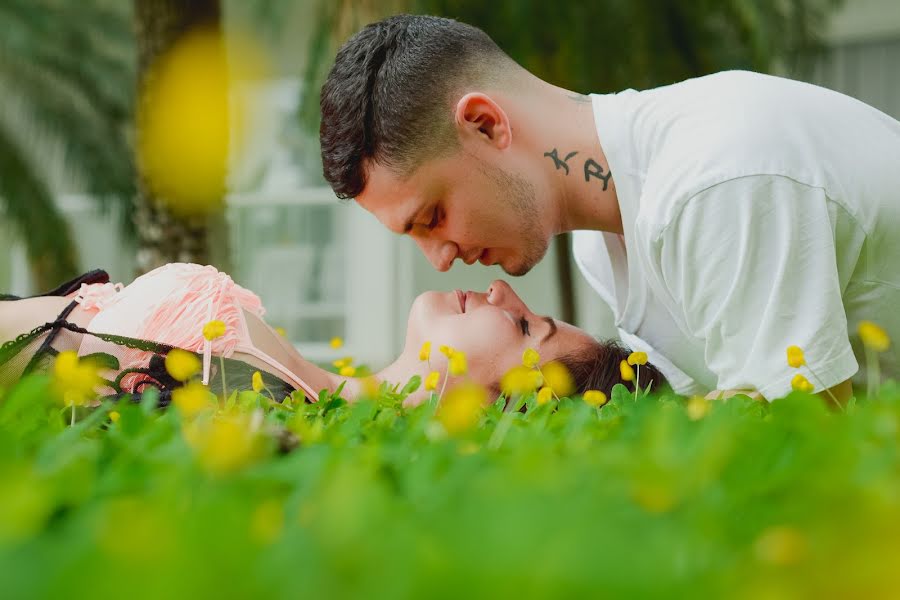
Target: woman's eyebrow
552,332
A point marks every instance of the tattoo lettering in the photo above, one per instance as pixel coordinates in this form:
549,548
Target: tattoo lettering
593,168
560,164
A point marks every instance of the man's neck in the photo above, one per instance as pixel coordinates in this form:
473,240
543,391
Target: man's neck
580,180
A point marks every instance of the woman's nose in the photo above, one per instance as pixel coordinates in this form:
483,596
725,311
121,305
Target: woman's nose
500,294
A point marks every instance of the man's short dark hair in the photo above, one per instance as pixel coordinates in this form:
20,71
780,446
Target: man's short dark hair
387,97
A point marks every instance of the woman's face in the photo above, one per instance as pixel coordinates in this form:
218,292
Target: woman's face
493,328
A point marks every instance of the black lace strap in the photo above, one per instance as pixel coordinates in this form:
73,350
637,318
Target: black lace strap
48,341
73,285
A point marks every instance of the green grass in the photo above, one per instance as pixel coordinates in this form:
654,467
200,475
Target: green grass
635,499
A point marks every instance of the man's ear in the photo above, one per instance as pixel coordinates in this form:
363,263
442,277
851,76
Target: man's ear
478,116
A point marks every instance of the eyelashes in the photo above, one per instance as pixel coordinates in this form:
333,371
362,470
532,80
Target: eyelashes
434,220
523,322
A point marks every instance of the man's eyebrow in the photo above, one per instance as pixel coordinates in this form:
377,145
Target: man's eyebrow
552,331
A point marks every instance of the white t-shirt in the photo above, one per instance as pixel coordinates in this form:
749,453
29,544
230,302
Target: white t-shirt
758,213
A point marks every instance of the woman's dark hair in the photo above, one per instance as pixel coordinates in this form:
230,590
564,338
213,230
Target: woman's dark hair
387,97
596,367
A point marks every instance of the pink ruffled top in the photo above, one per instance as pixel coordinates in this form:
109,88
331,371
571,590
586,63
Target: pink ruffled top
170,305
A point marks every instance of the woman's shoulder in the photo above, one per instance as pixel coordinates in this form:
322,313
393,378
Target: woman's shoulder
21,316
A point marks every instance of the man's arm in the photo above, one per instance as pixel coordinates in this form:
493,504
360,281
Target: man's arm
841,393
749,267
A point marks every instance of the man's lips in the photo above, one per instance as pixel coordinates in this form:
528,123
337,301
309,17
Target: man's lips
461,296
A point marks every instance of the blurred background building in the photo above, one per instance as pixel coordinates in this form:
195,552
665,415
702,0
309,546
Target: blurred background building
324,267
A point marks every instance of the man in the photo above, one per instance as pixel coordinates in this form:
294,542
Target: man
723,218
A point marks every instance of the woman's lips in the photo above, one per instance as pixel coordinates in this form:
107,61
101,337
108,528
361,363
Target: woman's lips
462,300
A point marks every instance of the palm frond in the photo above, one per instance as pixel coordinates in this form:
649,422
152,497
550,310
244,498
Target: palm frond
28,204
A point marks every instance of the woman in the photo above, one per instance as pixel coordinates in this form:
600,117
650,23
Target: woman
133,327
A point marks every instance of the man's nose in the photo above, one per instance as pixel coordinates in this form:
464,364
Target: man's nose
440,253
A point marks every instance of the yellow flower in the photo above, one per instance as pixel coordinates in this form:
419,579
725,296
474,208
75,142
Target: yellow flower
343,362
446,350
431,381
520,380
458,363
801,383
336,342
558,378
267,522
257,382
181,364
191,398
214,330
114,416
595,397
697,408
626,371
530,358
75,379
461,407
544,396
637,358
223,445
873,336
425,352
795,357
370,387
781,545
347,371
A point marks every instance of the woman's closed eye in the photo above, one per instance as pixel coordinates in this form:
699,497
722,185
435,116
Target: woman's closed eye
523,323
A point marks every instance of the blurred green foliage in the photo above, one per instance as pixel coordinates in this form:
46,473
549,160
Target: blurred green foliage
67,81
608,45
636,499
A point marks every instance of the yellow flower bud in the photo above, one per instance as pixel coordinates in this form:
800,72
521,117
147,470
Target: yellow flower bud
520,380
446,350
461,407
114,416
458,364
336,342
795,357
431,381
873,336
348,371
558,378
343,362
257,382
530,358
191,399
181,364
595,397
697,408
626,371
425,352
637,358
544,396
801,383
213,330
75,379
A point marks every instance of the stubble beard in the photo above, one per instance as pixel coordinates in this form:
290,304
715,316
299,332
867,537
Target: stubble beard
517,195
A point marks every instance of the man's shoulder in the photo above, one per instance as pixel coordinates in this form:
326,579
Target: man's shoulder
663,212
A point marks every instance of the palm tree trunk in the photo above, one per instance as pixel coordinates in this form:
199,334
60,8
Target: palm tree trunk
161,236
564,282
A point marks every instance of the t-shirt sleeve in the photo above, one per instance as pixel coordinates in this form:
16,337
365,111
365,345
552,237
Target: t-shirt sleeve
750,263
